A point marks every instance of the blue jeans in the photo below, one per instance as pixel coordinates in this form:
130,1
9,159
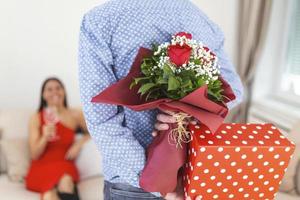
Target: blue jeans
120,191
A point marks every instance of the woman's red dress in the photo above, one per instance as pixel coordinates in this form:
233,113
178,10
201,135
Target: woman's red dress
45,172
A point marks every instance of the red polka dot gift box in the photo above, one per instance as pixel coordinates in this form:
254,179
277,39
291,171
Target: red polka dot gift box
238,161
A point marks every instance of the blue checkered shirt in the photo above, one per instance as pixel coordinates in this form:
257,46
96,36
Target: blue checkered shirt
110,36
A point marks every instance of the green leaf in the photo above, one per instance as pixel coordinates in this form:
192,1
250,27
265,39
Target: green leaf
167,70
146,66
197,61
162,80
156,59
145,88
200,82
187,83
151,93
173,83
148,61
187,73
137,80
154,47
215,94
132,84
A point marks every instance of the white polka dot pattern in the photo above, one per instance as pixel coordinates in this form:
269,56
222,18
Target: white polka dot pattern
239,170
110,37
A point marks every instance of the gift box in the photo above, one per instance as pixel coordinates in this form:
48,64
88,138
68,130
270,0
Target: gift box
238,161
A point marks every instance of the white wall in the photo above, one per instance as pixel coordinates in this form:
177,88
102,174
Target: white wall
39,38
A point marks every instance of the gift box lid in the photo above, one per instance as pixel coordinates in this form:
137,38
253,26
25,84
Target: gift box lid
240,135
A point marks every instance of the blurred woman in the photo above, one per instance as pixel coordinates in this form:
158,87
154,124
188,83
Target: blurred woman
52,144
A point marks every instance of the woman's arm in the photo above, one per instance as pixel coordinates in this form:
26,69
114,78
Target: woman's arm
38,141
81,123
74,150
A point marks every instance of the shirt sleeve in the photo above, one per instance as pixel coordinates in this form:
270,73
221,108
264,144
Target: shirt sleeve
229,74
121,151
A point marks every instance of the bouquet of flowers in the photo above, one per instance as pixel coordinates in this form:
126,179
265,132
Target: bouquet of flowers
183,78
178,68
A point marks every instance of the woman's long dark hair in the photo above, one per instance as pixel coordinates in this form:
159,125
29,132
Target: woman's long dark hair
43,103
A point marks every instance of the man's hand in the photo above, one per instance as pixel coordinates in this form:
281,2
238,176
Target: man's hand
161,125
163,119
174,196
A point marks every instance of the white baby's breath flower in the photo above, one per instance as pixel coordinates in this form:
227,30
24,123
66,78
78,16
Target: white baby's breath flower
215,78
208,67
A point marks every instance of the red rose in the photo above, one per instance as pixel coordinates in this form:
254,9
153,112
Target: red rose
179,55
187,35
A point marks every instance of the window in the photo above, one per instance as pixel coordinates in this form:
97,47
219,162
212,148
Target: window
290,82
276,90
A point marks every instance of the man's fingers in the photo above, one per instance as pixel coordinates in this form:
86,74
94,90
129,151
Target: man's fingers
179,198
164,118
167,112
161,127
194,122
170,196
197,198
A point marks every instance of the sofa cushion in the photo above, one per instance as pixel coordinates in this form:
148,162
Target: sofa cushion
16,154
13,124
89,160
91,188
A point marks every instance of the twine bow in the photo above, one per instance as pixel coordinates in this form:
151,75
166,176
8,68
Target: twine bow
180,134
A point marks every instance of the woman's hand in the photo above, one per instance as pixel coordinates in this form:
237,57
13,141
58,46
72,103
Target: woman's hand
48,131
73,152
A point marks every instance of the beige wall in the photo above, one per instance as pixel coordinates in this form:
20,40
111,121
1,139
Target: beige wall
39,38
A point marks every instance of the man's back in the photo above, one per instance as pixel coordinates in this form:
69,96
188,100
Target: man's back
111,35
129,24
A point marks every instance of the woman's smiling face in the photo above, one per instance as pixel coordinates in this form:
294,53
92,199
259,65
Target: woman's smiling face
54,93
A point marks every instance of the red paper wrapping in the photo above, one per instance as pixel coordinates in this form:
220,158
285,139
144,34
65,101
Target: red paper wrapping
163,158
240,161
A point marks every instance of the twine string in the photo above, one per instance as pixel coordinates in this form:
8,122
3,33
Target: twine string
180,134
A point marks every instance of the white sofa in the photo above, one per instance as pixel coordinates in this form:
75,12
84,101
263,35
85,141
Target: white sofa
90,189
13,124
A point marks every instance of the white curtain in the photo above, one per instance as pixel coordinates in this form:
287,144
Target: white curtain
254,17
